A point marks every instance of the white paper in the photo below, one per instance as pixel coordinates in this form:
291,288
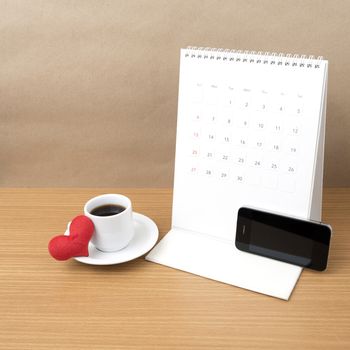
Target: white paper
219,260
247,135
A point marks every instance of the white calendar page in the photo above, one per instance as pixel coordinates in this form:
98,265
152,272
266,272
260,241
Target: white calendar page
246,136
250,133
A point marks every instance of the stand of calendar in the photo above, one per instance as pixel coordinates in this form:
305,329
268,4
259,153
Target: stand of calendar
250,132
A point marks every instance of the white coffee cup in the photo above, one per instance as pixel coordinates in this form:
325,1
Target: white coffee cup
112,232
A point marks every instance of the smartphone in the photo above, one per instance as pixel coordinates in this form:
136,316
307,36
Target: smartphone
295,241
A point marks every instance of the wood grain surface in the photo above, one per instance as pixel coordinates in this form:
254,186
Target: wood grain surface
46,304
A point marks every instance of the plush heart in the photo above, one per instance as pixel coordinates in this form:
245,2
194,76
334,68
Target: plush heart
76,244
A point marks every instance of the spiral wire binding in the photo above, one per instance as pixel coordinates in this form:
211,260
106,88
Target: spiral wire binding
258,57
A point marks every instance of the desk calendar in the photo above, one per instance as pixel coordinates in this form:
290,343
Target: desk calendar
250,132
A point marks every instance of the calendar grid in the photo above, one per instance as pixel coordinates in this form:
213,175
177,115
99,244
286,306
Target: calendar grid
250,132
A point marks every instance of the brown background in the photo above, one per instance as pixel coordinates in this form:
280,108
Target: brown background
88,89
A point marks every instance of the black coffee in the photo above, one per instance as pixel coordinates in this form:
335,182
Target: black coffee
107,210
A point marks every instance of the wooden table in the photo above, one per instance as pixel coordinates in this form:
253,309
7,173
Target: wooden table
45,304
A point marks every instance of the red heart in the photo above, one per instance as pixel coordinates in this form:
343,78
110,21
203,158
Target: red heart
81,230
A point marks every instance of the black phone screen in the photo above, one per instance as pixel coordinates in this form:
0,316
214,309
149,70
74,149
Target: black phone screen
278,243
300,242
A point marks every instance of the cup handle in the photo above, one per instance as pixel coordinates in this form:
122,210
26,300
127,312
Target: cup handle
67,229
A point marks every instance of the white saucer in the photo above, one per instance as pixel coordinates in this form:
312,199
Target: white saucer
146,235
